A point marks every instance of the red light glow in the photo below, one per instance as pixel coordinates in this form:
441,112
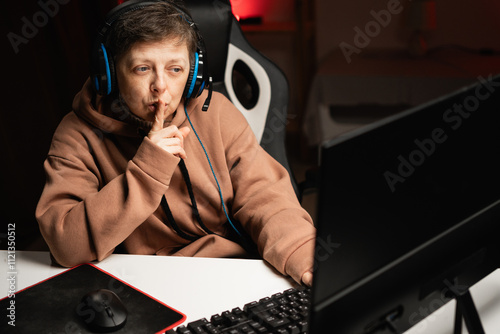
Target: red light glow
245,9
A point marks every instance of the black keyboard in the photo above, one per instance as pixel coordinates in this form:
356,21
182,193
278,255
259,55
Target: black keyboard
285,312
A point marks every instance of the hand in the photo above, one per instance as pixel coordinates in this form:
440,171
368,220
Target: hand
307,278
171,138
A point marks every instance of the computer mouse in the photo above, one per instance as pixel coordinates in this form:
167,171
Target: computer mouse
102,311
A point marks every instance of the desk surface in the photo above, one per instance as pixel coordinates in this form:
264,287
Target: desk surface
201,287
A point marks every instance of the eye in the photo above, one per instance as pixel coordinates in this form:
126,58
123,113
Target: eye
176,69
141,69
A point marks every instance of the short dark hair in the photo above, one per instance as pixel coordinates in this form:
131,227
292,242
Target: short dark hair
152,23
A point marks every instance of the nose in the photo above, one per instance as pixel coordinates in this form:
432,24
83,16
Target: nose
159,84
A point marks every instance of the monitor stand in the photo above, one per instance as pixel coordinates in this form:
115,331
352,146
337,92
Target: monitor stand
466,311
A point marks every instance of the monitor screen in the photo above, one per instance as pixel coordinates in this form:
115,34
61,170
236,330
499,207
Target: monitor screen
411,205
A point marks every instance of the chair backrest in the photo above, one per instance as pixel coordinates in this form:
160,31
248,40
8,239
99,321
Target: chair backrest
254,84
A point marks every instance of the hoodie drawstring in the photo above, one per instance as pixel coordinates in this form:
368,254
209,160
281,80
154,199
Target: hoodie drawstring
194,206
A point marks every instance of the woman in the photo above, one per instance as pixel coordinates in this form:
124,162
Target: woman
142,167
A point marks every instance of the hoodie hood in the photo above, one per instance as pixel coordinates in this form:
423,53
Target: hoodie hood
112,115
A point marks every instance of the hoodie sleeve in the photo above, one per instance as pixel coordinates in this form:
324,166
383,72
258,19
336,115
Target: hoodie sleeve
80,218
264,200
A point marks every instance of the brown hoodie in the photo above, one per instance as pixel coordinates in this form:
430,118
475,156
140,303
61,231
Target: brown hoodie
105,182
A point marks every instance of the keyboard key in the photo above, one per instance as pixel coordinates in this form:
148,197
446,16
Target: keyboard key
197,327
303,326
281,331
303,294
258,327
277,296
238,312
216,320
233,331
264,300
229,319
304,309
250,305
211,329
282,301
250,331
183,330
244,328
274,323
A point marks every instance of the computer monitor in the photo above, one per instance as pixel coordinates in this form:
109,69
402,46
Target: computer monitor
409,214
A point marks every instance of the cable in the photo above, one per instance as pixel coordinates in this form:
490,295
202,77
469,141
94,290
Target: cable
213,172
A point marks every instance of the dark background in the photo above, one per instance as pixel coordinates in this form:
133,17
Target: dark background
40,81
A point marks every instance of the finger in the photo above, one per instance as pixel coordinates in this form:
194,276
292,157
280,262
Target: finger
173,145
182,154
170,141
182,133
185,131
172,131
176,151
159,117
307,278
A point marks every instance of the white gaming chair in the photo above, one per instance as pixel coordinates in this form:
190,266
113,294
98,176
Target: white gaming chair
255,85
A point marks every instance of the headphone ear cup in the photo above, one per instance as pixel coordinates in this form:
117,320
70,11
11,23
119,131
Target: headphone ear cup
104,76
201,75
197,77
193,72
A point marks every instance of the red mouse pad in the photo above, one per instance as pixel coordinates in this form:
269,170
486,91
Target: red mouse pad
55,305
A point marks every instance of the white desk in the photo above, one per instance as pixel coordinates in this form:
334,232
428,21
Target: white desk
201,287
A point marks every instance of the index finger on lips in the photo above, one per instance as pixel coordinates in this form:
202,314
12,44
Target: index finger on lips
159,117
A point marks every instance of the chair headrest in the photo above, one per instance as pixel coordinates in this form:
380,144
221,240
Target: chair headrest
213,19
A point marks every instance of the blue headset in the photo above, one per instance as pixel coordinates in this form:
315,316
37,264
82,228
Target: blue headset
102,65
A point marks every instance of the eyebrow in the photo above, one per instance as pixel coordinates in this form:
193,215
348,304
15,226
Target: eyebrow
147,60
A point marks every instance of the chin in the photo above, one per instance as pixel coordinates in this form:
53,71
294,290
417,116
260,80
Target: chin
143,116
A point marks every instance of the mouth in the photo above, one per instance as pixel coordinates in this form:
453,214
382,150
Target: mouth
153,107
